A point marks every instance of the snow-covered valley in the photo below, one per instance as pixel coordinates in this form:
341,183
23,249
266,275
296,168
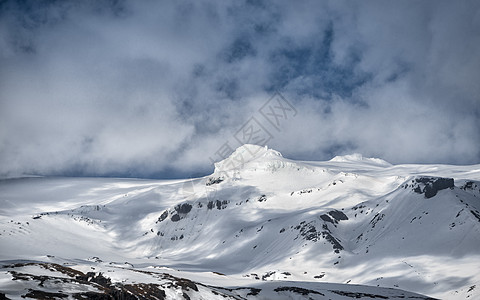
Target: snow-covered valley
260,227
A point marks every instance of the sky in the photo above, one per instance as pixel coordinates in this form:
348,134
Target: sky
162,89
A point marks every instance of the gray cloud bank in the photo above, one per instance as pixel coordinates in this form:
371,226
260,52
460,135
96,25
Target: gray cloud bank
154,88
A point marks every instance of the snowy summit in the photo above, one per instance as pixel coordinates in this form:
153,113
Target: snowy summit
248,156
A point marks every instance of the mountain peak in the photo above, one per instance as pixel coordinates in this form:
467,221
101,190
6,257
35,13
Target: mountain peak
248,154
357,157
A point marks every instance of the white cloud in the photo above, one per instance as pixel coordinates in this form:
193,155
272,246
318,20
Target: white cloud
142,89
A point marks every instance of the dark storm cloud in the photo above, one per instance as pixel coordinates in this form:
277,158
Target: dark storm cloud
144,88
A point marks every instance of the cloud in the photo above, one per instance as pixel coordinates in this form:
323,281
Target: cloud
128,88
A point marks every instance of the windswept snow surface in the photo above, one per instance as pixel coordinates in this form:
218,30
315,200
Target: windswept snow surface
261,226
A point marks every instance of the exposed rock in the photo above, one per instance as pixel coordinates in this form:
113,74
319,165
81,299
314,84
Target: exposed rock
326,234
36,294
267,275
100,279
476,214
338,215
210,205
467,185
254,291
262,198
326,218
334,216
336,245
219,204
297,290
183,208
377,218
163,216
358,295
308,231
213,180
431,185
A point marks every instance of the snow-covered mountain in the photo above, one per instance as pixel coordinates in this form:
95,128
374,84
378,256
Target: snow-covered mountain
261,227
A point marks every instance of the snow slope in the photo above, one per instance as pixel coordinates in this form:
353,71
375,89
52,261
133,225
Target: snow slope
358,226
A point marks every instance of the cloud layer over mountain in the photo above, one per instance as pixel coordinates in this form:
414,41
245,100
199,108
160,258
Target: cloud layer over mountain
151,89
